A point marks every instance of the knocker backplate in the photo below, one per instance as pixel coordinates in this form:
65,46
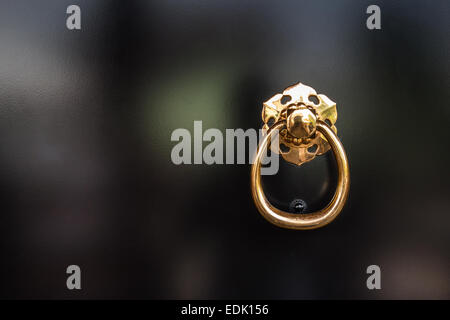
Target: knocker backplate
299,150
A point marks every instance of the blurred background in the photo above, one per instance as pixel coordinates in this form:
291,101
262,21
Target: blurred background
86,176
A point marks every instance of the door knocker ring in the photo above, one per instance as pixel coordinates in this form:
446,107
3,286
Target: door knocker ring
303,120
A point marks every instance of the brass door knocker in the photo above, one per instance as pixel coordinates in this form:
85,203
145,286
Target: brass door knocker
304,121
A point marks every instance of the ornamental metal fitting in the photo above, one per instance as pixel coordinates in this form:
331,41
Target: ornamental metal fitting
303,120
300,107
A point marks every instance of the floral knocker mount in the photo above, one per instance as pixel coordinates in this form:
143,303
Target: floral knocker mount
300,139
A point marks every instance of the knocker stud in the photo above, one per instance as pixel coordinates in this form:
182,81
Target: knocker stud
304,121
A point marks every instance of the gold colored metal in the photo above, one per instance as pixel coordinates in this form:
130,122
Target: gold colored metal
301,124
283,106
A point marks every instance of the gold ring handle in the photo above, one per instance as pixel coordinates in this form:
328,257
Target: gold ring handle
302,221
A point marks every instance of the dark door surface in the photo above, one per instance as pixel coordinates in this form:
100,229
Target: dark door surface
87,179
